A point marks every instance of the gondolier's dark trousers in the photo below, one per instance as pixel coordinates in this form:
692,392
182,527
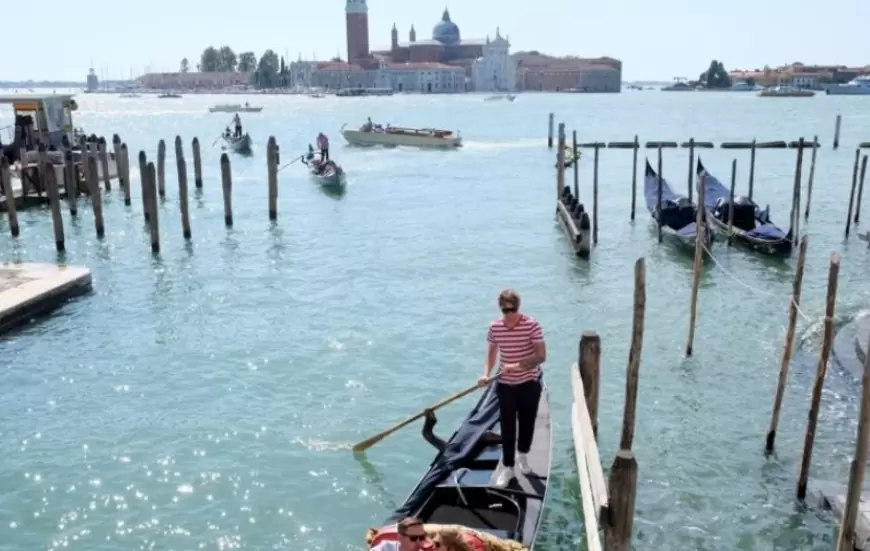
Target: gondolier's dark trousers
238,130
518,409
324,154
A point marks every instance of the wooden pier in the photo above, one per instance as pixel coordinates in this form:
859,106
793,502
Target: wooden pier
31,290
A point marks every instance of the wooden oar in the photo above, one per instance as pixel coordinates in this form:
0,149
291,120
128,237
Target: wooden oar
366,444
291,162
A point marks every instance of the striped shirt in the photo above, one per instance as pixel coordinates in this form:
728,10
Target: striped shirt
516,344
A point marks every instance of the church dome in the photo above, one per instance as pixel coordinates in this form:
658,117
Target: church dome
446,31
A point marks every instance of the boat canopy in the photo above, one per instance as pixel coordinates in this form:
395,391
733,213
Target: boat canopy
50,115
459,448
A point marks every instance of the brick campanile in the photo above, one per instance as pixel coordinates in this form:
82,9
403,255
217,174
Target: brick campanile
357,15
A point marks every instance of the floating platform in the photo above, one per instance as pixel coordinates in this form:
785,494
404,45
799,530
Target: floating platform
30,290
832,497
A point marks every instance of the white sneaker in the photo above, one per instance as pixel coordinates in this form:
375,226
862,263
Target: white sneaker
503,476
523,463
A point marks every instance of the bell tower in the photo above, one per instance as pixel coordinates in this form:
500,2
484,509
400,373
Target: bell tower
357,21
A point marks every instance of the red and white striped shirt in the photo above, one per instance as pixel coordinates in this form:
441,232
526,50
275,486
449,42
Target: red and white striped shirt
516,344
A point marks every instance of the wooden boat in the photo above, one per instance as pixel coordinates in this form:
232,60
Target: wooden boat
392,136
752,226
785,92
235,108
332,176
458,489
241,145
678,215
169,95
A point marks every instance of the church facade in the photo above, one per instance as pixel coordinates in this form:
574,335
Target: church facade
444,63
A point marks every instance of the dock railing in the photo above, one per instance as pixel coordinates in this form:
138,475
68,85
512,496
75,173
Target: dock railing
608,506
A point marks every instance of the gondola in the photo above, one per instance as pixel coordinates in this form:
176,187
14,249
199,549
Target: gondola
458,492
678,214
241,145
752,226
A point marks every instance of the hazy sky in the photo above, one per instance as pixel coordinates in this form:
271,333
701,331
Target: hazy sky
655,40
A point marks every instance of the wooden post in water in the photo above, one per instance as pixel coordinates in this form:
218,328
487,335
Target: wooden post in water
197,164
860,188
96,197
821,370
143,181
6,181
560,162
635,150
837,124
183,196
70,180
589,360
575,166
54,203
731,201
691,167
598,146
852,192
550,125
659,179
103,154
116,149
124,172
42,159
796,193
227,185
785,362
161,169
272,173
847,539
699,262
752,152
622,485
179,149
153,216
812,176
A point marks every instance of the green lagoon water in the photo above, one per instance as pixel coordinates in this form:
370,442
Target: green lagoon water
207,398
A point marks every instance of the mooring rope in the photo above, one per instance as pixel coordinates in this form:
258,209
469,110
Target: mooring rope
755,289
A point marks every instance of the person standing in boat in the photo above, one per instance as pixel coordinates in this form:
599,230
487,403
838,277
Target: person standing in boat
237,122
323,146
517,341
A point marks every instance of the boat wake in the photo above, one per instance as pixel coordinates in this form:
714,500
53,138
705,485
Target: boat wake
494,146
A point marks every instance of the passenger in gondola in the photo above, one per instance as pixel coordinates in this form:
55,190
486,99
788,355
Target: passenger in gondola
227,133
517,341
368,126
237,122
407,535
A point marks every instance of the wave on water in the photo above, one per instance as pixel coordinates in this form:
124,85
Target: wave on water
527,143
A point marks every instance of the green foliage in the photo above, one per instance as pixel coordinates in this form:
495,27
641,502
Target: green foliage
185,65
715,76
213,60
247,62
266,75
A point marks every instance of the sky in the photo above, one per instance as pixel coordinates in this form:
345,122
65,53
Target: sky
655,40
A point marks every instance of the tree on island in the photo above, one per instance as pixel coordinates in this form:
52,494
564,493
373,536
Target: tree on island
715,76
266,75
210,60
247,62
228,59
185,66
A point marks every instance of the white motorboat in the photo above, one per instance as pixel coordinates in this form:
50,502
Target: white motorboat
499,97
784,91
235,108
859,86
392,136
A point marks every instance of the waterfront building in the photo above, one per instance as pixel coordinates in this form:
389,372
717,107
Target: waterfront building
536,71
494,70
193,80
93,83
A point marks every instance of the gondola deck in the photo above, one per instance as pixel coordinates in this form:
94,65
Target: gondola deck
459,486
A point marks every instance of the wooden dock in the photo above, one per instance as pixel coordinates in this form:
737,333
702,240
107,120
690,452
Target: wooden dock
832,496
30,290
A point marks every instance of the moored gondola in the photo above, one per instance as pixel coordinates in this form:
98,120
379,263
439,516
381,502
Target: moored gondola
458,490
678,214
751,226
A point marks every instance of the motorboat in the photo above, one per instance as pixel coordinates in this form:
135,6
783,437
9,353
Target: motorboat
499,97
392,136
169,95
859,86
782,91
235,108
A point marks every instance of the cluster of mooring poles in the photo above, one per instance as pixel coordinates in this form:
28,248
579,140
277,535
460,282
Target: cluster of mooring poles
608,506
85,176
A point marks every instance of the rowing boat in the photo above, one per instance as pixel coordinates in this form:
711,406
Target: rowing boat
332,176
458,490
752,226
241,145
678,214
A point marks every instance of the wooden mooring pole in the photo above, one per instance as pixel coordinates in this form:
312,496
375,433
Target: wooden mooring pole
153,221
785,362
699,262
227,187
589,360
560,161
852,191
861,177
819,382
550,127
54,204
812,176
622,485
6,184
272,176
837,125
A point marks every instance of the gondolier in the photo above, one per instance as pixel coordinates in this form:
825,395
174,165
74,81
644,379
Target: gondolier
517,340
238,124
323,146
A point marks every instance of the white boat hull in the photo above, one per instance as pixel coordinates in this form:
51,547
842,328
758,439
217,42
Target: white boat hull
234,109
391,139
848,91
